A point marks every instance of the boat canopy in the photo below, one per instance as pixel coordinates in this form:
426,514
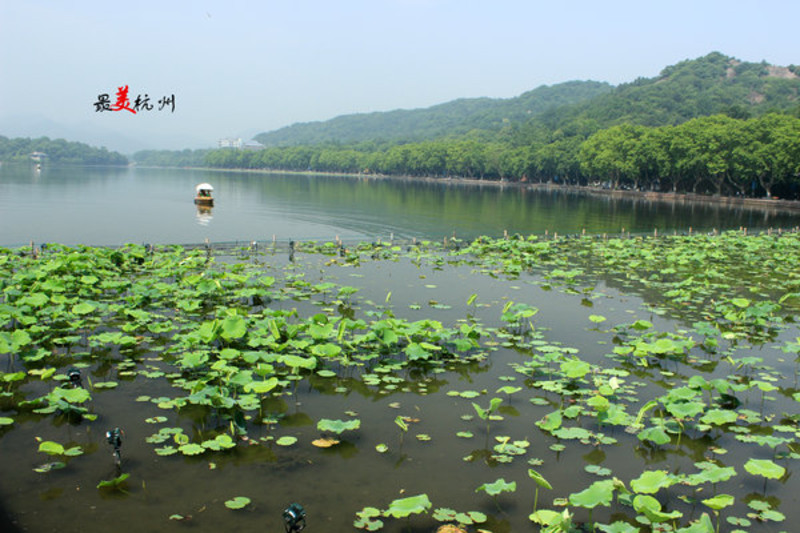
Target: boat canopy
204,187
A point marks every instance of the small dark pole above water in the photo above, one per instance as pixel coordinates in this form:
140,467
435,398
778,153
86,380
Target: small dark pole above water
114,438
294,518
74,376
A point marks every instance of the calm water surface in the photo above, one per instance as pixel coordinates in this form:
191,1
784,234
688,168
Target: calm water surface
107,206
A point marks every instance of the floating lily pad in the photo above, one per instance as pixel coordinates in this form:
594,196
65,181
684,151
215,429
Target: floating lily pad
239,502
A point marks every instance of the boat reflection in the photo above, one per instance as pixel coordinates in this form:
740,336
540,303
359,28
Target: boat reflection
204,215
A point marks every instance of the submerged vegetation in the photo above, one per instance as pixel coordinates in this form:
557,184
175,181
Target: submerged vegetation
676,413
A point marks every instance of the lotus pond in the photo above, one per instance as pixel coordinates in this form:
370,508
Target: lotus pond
519,384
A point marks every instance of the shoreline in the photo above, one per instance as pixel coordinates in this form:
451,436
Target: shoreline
761,204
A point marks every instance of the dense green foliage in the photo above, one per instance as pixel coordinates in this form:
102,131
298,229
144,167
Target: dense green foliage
452,118
235,365
753,157
176,158
58,151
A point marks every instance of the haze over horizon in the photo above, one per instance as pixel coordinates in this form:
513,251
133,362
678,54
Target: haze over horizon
237,68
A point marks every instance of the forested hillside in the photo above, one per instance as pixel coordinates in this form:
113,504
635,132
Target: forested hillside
452,118
713,84
58,151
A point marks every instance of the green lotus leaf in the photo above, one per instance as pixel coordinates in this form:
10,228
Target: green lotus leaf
51,448
651,481
575,368
685,409
233,327
654,434
73,452
546,517
261,387
651,508
764,467
720,501
239,502
550,422
78,395
111,483
338,426
719,417
5,421
539,479
287,440
406,506
326,350
618,527
191,449
36,299
294,361
598,493
166,450
83,308
495,488
576,433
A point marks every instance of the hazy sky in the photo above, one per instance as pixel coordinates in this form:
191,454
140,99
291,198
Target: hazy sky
239,68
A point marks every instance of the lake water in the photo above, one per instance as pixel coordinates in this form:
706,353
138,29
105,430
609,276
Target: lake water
131,347
109,206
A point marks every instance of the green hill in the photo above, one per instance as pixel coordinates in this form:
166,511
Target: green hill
708,85
451,118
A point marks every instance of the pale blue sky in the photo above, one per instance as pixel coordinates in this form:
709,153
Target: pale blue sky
239,68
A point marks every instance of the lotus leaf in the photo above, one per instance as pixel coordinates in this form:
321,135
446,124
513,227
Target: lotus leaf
51,448
261,387
338,426
651,508
575,368
191,449
720,501
618,527
113,483
598,493
239,502
719,417
651,481
404,507
764,467
654,434
496,487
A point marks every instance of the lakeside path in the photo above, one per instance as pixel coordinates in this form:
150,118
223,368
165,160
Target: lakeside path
762,204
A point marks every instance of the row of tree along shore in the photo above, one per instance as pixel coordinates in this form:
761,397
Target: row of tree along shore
720,155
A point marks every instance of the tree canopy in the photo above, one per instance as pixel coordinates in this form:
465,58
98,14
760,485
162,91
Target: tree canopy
58,151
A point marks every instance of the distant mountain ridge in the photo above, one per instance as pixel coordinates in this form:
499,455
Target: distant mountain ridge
451,118
711,84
